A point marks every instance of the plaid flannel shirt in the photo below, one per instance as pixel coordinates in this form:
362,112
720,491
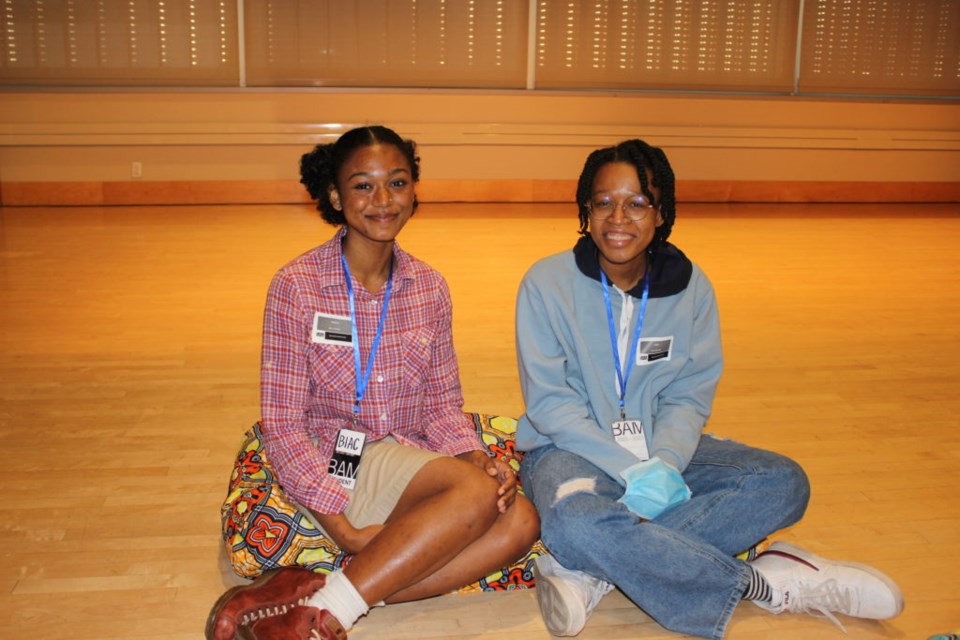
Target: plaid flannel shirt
308,389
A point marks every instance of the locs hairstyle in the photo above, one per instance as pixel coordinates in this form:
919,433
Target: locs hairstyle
643,157
319,168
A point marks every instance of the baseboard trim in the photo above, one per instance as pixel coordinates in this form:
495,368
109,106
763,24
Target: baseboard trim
141,192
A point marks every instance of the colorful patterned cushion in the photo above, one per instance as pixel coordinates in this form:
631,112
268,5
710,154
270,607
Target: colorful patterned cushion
262,530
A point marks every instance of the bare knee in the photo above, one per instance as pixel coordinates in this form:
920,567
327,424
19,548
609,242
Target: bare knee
523,523
518,528
513,532
476,494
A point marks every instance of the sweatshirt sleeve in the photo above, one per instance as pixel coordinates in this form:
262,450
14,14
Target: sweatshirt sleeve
686,403
556,404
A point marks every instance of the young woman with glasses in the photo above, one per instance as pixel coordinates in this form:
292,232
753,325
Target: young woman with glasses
618,345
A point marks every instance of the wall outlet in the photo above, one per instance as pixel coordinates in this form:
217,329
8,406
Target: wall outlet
136,169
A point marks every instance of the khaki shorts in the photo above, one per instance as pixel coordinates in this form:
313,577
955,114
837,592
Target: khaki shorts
386,468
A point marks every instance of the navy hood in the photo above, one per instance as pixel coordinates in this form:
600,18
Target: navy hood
670,275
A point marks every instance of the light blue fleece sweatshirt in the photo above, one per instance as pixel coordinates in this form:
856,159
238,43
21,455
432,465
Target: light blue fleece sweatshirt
567,371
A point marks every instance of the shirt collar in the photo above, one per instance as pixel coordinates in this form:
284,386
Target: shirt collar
331,271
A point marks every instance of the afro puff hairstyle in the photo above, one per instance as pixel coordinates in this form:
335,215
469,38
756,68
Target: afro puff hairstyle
645,158
319,168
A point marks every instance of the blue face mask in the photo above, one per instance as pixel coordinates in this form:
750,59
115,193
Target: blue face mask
653,486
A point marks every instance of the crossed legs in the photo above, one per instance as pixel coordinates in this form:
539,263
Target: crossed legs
678,567
444,532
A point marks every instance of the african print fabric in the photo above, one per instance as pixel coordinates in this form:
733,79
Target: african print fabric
263,529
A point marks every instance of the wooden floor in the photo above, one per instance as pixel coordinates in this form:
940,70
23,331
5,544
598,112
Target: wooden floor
129,345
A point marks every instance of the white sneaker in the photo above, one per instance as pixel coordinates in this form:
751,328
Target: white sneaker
566,597
802,581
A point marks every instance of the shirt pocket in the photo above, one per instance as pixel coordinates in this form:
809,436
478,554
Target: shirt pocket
417,345
331,369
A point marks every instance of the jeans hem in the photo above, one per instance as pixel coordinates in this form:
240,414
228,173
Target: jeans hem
735,599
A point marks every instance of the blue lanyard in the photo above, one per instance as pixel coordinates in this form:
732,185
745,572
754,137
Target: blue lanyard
623,377
363,377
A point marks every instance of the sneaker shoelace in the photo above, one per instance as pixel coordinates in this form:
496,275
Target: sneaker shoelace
825,598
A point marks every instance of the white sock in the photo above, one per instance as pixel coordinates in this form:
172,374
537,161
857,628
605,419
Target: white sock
341,599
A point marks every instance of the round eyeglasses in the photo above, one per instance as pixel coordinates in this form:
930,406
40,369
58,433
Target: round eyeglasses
634,209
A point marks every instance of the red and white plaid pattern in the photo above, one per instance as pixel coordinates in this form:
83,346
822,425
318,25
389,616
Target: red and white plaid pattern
308,390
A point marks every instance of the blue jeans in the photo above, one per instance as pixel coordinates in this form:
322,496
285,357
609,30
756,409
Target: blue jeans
679,567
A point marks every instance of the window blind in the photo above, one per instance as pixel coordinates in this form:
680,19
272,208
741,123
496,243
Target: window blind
110,42
847,47
881,46
387,43
658,44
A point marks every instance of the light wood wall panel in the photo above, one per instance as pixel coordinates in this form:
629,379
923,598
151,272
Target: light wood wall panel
244,146
167,192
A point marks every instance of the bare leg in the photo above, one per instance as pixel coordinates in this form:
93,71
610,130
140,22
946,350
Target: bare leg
510,537
444,532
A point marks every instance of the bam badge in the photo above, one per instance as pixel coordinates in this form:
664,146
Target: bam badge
346,457
629,435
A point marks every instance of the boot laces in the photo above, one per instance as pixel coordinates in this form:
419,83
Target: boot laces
265,612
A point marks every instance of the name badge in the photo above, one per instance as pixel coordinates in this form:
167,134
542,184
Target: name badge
629,435
654,350
345,461
331,329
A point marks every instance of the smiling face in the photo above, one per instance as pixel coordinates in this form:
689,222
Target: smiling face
375,192
621,241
